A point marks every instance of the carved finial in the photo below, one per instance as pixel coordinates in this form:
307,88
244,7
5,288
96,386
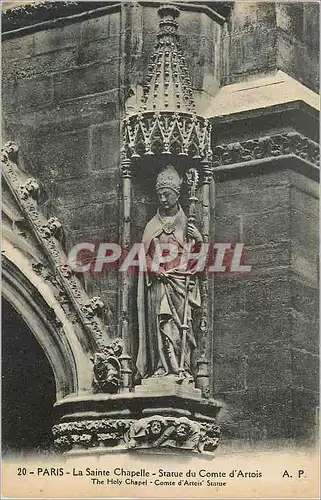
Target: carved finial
168,26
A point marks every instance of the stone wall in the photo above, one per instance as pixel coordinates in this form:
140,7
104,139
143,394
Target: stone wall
62,103
261,37
265,323
250,41
298,41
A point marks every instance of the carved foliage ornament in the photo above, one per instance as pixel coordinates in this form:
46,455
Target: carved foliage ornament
266,147
151,432
89,433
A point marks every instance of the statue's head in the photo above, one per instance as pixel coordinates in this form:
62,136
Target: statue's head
182,430
168,185
155,428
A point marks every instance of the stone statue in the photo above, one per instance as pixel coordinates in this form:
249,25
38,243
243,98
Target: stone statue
107,368
168,295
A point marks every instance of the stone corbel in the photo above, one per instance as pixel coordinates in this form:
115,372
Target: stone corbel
149,433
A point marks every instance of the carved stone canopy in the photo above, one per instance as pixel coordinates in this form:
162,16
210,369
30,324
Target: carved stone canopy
166,122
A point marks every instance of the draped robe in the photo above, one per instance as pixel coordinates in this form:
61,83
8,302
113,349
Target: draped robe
161,304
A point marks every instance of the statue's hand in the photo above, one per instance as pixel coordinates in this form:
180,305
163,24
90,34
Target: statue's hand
161,276
193,233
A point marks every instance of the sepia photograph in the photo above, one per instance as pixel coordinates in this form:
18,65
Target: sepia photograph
160,249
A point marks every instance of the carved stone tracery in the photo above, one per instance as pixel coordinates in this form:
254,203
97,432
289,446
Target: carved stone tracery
163,132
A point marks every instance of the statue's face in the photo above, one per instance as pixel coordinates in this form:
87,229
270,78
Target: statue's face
167,198
182,431
156,428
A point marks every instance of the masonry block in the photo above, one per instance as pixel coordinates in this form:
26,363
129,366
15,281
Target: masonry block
58,38
27,94
99,50
269,366
229,296
105,146
303,266
18,47
252,43
304,202
95,188
102,27
304,331
77,114
252,183
108,232
268,293
305,234
258,416
270,255
91,214
234,333
311,25
305,416
298,61
305,368
252,52
227,229
304,298
270,411
266,227
62,155
268,199
229,372
42,64
90,79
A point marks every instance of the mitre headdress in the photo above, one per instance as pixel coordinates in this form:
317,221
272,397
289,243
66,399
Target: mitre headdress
169,178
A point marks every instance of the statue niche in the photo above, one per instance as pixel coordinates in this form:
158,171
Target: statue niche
168,293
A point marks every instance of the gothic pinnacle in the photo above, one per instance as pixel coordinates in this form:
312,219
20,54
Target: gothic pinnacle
168,86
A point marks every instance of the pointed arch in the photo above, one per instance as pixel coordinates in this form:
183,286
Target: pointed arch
35,301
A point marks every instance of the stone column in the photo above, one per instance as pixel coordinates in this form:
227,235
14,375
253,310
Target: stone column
202,376
124,287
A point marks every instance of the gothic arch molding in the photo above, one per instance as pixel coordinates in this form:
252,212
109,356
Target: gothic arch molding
33,299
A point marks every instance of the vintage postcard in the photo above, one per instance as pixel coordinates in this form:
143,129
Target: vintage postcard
160,249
